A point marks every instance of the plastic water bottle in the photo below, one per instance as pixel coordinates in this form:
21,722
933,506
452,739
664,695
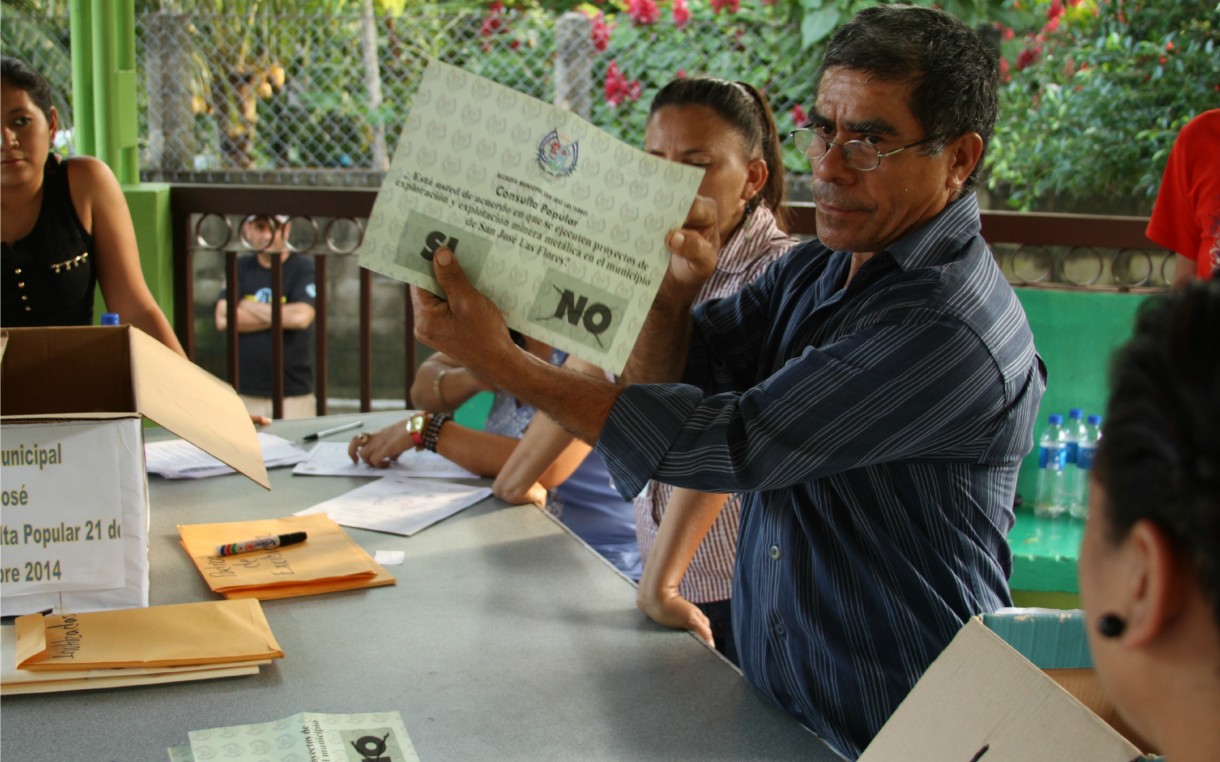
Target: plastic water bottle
1079,507
110,318
1052,469
1073,434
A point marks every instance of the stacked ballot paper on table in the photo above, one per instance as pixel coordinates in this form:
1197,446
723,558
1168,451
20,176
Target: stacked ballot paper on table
331,459
179,459
327,561
399,504
305,736
108,649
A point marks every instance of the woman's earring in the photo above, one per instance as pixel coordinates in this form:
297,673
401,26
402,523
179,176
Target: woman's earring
1110,625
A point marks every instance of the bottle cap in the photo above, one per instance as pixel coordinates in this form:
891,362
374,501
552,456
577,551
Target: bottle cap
1054,419
1076,413
1095,420
110,318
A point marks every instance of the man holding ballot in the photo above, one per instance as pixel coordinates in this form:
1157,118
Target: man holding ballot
872,393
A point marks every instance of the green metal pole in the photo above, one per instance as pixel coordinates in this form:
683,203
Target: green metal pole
128,170
104,65
80,14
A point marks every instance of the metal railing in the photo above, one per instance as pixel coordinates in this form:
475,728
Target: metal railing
363,319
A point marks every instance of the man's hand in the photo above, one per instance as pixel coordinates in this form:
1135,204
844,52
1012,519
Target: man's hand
665,606
465,325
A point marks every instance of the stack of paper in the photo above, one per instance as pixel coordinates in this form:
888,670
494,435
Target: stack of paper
179,459
331,459
327,561
308,735
108,649
399,504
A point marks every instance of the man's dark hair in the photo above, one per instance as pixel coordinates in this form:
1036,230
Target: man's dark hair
744,109
956,74
19,74
1159,455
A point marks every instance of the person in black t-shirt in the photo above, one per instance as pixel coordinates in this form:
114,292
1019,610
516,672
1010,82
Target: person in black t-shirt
267,237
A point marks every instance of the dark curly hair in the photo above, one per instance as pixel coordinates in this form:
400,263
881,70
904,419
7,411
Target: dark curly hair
955,73
1159,455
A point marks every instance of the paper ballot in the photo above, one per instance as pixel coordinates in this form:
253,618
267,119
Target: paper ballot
399,504
306,736
560,224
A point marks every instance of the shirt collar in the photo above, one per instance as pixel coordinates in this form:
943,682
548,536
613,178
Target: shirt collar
938,239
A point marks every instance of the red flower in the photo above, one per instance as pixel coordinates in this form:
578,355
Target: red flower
618,89
1055,10
1027,57
643,12
681,13
1005,75
799,117
718,5
600,34
495,18
681,73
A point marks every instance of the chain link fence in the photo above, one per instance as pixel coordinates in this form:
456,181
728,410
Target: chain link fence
322,99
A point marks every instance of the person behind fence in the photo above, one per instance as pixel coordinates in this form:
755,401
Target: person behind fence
1150,559
268,237
530,457
872,394
1186,216
65,224
727,129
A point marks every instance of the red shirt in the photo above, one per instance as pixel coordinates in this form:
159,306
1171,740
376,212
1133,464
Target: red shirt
1186,217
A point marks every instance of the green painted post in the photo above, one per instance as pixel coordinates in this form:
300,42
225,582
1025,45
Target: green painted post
80,17
104,65
104,95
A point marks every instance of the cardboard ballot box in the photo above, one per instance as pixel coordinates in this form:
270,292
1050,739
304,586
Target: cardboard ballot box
73,486
983,700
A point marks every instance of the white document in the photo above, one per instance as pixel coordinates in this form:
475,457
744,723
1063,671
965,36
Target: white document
560,224
104,475
331,459
64,485
399,504
305,736
179,459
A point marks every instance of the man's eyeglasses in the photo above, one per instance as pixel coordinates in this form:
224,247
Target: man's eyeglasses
860,155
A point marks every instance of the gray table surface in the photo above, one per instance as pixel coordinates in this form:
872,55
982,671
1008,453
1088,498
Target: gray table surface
505,638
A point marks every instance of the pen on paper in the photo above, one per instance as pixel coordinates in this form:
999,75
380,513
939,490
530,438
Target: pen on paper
260,543
335,430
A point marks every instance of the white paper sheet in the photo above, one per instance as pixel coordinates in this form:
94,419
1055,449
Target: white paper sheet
331,459
557,222
399,504
179,459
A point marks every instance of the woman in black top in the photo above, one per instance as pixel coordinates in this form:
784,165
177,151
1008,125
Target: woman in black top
64,223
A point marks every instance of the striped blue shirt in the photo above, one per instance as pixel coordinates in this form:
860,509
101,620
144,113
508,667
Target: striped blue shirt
877,430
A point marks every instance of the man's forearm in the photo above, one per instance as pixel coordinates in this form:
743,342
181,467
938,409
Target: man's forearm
576,401
660,352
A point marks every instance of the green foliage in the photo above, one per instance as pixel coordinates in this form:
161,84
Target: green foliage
1097,97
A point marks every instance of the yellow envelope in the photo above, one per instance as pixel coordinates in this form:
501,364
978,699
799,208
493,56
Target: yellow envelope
328,555
212,632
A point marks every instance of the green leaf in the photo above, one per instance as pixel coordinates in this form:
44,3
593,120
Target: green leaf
818,25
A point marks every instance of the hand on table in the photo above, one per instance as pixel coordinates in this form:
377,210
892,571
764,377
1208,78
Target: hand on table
667,607
381,448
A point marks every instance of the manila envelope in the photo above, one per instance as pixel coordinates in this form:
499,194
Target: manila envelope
212,632
328,560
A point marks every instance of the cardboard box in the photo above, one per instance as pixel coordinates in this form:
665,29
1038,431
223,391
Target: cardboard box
73,484
982,700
